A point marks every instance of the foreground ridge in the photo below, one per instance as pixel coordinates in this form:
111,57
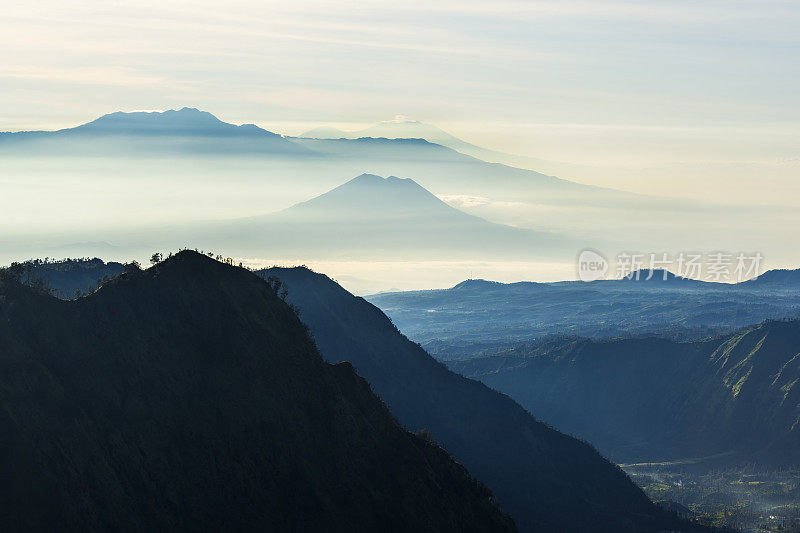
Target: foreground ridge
189,397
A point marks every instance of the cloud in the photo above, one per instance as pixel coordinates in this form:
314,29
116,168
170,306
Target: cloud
466,201
400,119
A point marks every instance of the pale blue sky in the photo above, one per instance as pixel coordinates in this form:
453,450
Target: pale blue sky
647,96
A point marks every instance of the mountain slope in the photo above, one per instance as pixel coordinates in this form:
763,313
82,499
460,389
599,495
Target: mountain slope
404,128
189,397
373,195
651,400
546,480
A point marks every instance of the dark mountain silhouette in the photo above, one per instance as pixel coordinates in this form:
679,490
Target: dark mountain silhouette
373,217
68,276
480,311
734,399
189,397
545,479
187,129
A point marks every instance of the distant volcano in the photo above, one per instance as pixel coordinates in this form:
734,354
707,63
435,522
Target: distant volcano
382,219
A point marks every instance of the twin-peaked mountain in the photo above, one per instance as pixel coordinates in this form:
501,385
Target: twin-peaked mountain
189,397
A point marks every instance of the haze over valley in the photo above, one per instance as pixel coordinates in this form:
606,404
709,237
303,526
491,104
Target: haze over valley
412,267
161,172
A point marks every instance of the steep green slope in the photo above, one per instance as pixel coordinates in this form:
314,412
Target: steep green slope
650,399
189,397
545,479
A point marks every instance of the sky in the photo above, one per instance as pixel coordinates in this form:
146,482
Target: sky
675,98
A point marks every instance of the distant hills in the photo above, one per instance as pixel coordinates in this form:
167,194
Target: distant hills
728,401
546,480
190,397
455,322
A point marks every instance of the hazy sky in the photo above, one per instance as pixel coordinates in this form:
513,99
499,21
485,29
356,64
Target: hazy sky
648,96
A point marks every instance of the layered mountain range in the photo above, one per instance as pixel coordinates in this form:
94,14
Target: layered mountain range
546,480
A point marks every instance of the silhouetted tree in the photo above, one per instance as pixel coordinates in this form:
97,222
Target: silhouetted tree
15,271
132,267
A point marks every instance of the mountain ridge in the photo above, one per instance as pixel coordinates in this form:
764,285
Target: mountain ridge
534,470
190,397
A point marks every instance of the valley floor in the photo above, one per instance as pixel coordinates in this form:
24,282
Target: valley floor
748,501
